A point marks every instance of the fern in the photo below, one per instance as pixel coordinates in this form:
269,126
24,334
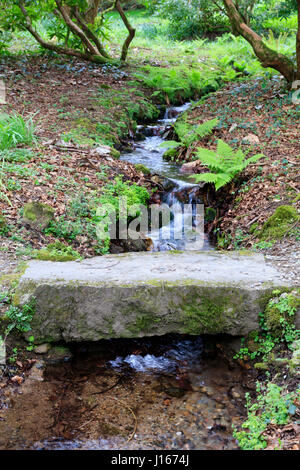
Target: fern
224,164
187,134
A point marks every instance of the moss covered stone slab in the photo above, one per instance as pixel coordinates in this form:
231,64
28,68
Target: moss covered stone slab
145,294
37,215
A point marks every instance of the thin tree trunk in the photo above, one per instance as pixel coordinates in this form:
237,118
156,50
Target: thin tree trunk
131,31
90,34
266,56
75,28
92,13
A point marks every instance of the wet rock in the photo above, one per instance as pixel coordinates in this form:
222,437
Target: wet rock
58,354
137,242
190,167
42,348
37,215
175,392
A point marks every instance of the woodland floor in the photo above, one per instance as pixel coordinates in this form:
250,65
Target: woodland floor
69,100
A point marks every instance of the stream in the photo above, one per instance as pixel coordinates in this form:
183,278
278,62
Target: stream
183,195
169,392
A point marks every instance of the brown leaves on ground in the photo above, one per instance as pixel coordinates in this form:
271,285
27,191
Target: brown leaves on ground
265,109
284,438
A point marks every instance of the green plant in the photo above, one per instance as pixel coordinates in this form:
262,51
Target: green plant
277,326
20,318
224,164
188,134
273,405
56,251
15,130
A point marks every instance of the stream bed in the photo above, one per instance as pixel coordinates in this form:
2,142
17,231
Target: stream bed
183,196
172,392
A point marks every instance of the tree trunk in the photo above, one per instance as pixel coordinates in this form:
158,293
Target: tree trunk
266,56
131,30
91,14
87,55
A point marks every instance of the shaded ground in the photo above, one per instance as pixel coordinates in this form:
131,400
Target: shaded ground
85,106
264,109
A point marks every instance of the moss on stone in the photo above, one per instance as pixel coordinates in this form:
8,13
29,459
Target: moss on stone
279,223
209,313
37,215
57,252
171,154
261,366
143,169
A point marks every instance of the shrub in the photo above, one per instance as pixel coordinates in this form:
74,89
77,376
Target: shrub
192,18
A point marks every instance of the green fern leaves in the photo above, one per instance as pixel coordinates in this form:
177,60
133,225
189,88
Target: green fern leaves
224,164
188,134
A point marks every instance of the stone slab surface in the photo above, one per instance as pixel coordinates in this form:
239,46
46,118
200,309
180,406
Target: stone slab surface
144,294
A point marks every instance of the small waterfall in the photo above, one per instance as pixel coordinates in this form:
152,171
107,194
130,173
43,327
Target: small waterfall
185,228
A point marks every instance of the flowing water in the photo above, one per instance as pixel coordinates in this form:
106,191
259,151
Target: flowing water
172,392
186,228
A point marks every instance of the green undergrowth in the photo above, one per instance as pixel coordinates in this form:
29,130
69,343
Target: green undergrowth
277,328
273,405
113,116
178,83
56,251
87,216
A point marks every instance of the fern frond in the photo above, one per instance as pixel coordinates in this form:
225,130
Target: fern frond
224,150
209,158
170,144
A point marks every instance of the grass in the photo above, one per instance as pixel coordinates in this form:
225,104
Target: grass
15,130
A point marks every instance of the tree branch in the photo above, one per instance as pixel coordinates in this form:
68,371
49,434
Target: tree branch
75,28
131,31
267,57
90,34
54,47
